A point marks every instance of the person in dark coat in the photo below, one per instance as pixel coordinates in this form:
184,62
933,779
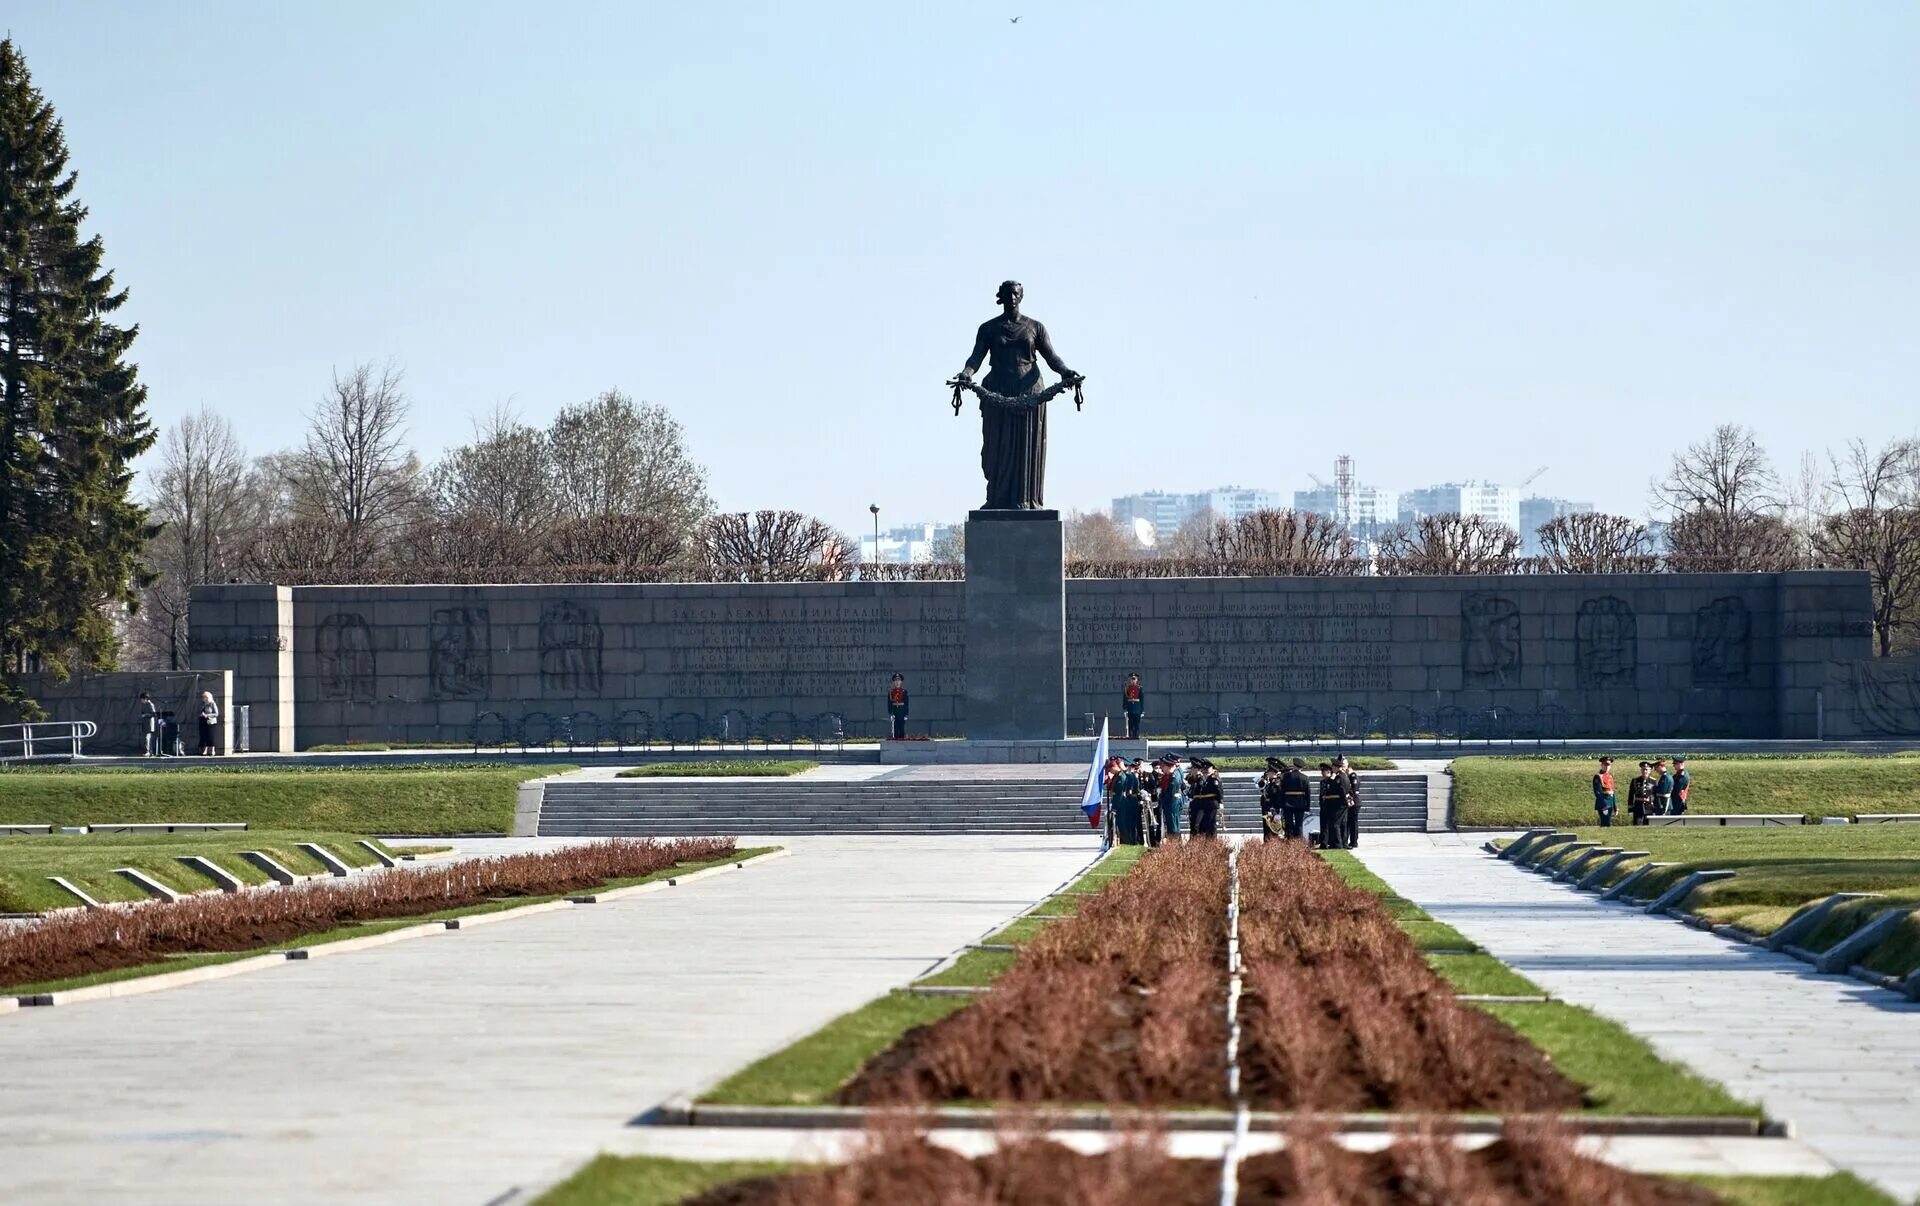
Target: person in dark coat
897,706
1682,783
1133,702
1640,794
1662,788
1351,782
147,713
1272,818
1296,799
1127,827
1605,802
1168,784
1203,800
1333,809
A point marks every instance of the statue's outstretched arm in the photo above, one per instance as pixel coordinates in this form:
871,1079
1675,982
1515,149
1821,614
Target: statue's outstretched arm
1043,344
979,356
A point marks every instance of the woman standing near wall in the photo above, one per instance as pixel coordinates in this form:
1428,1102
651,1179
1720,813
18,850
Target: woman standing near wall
209,721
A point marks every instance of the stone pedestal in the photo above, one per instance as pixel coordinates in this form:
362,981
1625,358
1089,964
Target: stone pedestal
1016,626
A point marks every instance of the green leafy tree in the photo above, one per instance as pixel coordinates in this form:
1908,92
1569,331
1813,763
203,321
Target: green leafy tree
72,414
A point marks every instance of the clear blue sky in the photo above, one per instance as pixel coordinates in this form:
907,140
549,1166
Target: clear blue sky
1455,240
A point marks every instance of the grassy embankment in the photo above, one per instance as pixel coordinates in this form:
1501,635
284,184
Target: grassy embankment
1522,790
744,769
1620,1073
366,928
1778,872
810,1071
88,862
461,797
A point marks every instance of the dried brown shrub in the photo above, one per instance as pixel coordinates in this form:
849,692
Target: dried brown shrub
1524,1169
1341,1013
1123,1003
72,944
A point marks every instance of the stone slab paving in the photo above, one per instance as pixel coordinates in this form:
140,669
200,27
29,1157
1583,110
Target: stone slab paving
454,1068
1837,1058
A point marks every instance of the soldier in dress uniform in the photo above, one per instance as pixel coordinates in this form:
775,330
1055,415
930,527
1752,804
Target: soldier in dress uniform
1272,820
1203,800
1605,803
1640,794
1351,782
1296,799
1333,809
1682,783
1662,788
897,706
1133,702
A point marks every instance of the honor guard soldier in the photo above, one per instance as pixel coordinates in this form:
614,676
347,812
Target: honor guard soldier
1272,820
1682,782
1133,702
897,706
1296,799
1605,803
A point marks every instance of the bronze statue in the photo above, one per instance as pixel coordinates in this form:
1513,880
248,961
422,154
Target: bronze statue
1013,402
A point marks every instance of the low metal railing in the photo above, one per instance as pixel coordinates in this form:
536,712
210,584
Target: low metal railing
44,739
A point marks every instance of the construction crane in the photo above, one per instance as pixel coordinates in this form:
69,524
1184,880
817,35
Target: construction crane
1532,477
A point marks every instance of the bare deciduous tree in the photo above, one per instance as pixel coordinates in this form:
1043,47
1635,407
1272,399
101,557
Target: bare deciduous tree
613,456
1805,505
1449,544
1189,541
308,551
503,480
1593,543
628,542
1304,540
355,463
1726,474
206,504
1876,528
1711,542
1094,536
775,546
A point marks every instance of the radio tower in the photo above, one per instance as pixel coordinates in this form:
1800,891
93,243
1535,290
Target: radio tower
1343,491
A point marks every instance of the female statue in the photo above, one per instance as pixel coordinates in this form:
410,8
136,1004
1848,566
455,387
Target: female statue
1013,403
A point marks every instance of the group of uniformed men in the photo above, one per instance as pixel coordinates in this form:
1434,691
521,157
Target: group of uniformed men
1145,803
1654,792
1286,796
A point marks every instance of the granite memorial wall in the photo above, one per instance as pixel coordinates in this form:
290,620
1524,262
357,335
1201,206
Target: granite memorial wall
1747,655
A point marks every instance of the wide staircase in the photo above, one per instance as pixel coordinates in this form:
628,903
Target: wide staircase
675,808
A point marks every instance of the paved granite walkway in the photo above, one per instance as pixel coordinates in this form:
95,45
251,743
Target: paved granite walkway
454,1068
1836,1057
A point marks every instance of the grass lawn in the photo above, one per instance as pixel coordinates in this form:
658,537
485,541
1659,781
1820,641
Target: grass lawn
744,769
364,929
1620,1073
88,861
1779,871
1840,1189
1557,789
426,799
1482,975
1427,934
652,1180
808,1072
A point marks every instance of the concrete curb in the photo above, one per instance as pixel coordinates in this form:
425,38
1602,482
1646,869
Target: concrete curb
1804,923
347,946
213,871
73,890
380,856
1841,955
148,884
1586,862
328,859
1568,856
1594,876
685,1112
1680,891
1619,890
146,984
1521,844
1536,851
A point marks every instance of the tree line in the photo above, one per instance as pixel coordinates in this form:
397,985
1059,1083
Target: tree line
1728,509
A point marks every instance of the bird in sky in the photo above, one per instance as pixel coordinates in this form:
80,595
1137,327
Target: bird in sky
1013,20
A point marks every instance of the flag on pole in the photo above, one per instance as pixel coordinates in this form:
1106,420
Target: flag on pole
1090,799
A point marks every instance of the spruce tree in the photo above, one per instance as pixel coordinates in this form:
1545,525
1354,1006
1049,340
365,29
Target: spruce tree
72,411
